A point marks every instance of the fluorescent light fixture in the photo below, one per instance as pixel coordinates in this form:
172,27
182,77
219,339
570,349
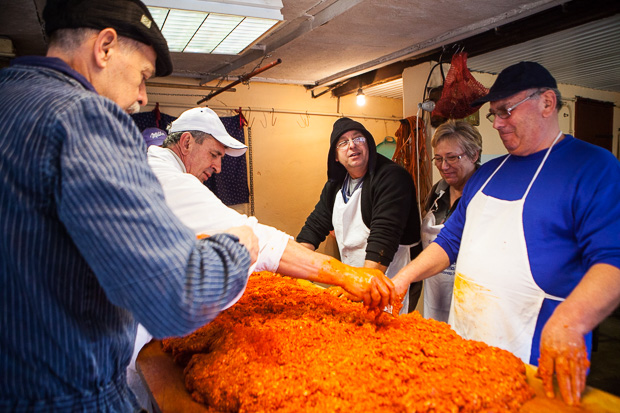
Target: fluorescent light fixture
218,27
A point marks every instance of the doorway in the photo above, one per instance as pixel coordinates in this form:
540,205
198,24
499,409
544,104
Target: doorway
594,122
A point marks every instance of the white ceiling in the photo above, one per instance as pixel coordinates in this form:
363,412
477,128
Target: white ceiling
324,43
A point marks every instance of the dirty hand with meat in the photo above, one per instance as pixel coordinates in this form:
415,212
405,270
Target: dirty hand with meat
562,344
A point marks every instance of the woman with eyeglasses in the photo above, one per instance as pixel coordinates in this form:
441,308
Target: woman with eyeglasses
457,146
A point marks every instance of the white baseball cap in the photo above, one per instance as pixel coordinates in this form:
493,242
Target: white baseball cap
207,121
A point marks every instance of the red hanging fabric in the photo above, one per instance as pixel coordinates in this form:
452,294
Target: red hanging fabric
242,120
157,115
411,153
460,89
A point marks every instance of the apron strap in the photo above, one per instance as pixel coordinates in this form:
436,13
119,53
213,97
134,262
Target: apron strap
535,175
493,174
554,298
541,165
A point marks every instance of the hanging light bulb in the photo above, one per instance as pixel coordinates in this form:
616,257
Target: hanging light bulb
361,98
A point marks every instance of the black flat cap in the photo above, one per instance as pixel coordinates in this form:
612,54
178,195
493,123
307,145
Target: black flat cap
130,18
516,78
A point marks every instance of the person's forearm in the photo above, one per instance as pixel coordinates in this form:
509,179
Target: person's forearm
307,245
373,264
299,261
594,298
430,262
364,284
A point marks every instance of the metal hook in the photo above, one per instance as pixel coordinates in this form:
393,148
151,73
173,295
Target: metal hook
459,48
273,120
306,120
250,118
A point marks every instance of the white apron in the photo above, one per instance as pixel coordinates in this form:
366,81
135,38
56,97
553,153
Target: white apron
496,299
438,288
352,236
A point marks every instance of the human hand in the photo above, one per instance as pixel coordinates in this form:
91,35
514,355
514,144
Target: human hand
563,352
340,293
247,238
371,286
401,286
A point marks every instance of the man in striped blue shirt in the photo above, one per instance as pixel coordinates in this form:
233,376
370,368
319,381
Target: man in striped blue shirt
88,246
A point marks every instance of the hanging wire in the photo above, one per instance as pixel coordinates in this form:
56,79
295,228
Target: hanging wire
246,82
260,63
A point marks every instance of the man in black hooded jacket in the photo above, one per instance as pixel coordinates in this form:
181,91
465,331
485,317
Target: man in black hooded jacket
370,204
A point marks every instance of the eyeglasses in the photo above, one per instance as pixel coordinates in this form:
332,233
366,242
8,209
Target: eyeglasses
452,159
345,144
505,113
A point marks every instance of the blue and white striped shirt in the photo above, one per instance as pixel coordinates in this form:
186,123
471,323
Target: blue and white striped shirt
88,246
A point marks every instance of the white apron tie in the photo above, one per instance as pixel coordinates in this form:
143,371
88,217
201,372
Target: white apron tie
496,299
437,289
352,238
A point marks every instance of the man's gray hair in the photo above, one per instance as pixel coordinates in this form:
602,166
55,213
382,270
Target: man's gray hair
174,137
72,39
558,97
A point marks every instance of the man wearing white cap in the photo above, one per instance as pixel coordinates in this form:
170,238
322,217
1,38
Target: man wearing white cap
190,154
194,148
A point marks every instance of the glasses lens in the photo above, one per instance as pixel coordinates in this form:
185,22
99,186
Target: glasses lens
502,114
449,159
356,141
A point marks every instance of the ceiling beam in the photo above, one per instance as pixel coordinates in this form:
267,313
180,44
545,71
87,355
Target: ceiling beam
565,16
284,36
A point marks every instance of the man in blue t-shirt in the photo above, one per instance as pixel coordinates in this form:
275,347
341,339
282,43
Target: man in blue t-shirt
535,237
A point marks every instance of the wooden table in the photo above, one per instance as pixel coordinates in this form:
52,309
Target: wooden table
165,381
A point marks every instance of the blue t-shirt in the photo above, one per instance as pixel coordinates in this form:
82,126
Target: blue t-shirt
571,216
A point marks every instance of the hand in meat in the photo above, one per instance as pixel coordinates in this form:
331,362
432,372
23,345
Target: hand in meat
563,352
371,286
